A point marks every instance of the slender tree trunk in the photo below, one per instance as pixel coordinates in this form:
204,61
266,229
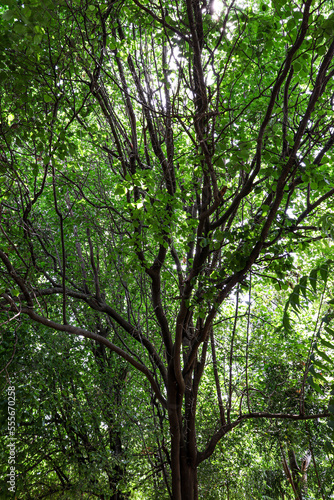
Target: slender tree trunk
117,496
296,474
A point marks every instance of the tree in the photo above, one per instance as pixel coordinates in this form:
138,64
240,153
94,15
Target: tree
69,402
163,165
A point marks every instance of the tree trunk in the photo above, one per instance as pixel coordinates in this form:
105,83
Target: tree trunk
184,481
297,476
183,447
189,490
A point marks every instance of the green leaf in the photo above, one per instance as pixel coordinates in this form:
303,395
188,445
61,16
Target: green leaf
294,298
47,98
314,385
19,28
313,279
297,66
312,370
324,356
321,50
329,447
326,343
331,408
320,365
319,376
324,270
38,39
8,15
329,330
303,286
290,25
286,321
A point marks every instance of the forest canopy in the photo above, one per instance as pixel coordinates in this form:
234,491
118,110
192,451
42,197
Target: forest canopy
166,248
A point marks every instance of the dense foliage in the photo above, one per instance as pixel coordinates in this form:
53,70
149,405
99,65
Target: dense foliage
166,210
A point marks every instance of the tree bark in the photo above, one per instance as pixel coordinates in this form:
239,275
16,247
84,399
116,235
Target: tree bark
183,445
189,490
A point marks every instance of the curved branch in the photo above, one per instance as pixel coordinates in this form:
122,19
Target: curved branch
101,306
228,427
74,330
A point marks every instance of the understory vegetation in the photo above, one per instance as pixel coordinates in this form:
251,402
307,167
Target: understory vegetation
166,249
